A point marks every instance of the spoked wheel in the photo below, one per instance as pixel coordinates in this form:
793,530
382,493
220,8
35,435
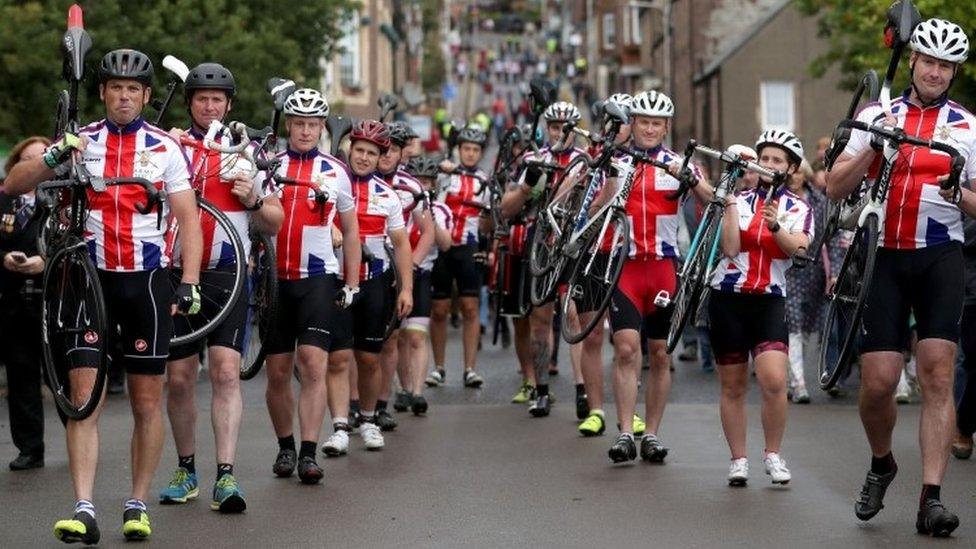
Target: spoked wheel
845,304
61,115
543,287
75,331
220,288
551,224
262,303
393,292
692,281
595,275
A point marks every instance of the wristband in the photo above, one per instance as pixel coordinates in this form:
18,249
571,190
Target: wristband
257,205
774,228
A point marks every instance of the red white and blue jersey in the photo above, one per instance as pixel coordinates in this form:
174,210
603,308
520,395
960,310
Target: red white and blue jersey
379,212
546,154
120,238
442,218
916,216
406,187
212,174
465,186
304,246
653,217
760,266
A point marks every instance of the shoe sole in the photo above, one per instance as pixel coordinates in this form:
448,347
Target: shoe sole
133,535
943,531
419,411
589,434
70,536
962,454
474,384
231,505
374,448
618,458
284,474
333,452
311,479
781,482
738,482
388,428
539,413
655,457
177,501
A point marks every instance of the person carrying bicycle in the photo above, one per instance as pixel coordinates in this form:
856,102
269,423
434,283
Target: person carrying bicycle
520,205
411,193
918,268
762,228
130,252
227,183
464,185
309,294
648,276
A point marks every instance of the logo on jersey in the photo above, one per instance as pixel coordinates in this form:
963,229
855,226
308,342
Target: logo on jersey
91,337
141,345
145,158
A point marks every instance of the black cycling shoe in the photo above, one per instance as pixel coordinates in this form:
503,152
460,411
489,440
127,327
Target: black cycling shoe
540,406
419,405
582,407
24,462
385,421
284,464
309,471
934,520
355,418
402,402
652,450
870,500
623,449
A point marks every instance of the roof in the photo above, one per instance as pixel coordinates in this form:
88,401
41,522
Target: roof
744,39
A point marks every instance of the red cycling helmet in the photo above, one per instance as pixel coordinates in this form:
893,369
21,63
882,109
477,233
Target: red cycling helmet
373,131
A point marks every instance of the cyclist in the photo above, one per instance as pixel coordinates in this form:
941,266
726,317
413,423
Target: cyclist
520,205
307,282
463,182
130,252
380,216
919,267
209,90
762,228
648,274
407,189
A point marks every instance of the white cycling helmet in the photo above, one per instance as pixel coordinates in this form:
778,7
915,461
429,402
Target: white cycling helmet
307,102
652,103
621,99
562,111
784,140
941,39
742,151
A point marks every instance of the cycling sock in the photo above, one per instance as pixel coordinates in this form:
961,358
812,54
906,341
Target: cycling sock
133,503
883,465
286,443
368,416
542,389
340,423
930,491
188,463
380,405
85,506
308,448
580,389
224,469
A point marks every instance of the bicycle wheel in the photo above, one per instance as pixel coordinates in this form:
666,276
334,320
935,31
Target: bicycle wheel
692,280
548,231
262,302
75,331
595,276
542,287
845,303
393,292
221,288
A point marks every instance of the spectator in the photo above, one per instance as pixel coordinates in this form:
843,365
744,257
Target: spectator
962,445
20,313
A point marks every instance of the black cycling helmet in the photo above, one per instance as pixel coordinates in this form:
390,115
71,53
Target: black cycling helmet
422,166
126,64
472,134
399,133
210,76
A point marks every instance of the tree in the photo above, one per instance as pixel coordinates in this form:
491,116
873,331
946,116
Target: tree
433,71
256,40
854,31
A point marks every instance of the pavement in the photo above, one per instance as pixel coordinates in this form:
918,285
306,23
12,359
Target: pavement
479,472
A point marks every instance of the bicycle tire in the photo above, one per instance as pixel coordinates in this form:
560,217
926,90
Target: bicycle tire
846,301
543,287
262,303
544,246
194,327
393,292
691,282
69,271
589,274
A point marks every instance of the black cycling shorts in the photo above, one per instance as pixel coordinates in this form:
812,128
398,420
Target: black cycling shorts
457,265
230,333
746,323
927,281
306,310
371,312
632,304
137,306
422,294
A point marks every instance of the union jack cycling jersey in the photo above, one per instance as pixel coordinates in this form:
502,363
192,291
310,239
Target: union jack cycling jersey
304,244
653,217
443,219
212,175
465,186
760,266
408,201
379,211
916,216
546,154
119,238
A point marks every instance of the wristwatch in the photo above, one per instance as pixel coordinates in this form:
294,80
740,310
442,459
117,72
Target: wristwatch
257,205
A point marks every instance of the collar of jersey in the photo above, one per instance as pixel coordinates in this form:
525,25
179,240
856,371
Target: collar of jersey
361,178
905,95
649,152
131,127
194,133
465,169
303,156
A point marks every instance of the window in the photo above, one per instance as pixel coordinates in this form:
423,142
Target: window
635,25
609,31
776,99
349,63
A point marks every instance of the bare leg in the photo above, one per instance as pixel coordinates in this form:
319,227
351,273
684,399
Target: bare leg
936,366
440,310
658,384
337,383
181,406
471,331
732,407
626,346
279,396
312,364
880,372
146,400
771,370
